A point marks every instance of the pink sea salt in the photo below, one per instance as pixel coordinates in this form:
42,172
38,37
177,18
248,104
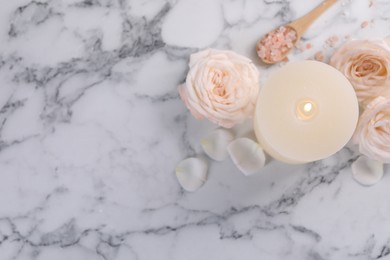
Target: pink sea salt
319,56
331,41
274,46
364,24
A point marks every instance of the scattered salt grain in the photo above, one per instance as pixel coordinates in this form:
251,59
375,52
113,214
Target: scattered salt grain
348,37
319,56
300,46
364,24
331,41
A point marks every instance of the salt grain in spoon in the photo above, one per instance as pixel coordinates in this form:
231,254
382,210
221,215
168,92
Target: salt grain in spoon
275,45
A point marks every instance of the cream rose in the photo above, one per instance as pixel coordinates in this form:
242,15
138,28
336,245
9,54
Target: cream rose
221,86
367,65
373,130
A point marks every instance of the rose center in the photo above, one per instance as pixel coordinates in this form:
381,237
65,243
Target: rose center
366,67
217,79
382,125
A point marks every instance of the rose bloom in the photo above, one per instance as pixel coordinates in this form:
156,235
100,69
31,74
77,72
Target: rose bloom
367,66
373,130
221,86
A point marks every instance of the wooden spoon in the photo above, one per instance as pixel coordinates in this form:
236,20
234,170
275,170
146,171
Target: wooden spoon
299,26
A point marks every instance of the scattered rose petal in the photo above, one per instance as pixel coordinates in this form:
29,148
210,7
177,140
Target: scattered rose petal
247,155
191,173
367,171
215,144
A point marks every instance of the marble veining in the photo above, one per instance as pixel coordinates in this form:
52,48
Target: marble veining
91,129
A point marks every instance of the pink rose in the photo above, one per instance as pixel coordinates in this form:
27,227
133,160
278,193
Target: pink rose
373,130
367,65
221,86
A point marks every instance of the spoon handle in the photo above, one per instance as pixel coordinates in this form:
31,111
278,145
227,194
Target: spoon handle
304,22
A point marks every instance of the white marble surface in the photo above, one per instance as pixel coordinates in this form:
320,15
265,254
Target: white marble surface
91,129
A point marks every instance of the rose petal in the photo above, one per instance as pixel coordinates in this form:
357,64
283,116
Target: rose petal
373,130
247,155
191,173
215,144
366,171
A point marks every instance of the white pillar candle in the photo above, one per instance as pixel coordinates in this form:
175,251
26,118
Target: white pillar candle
305,112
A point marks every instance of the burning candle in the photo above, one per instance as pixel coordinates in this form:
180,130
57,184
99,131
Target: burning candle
305,112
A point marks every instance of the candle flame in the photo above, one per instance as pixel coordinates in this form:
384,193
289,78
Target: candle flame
306,109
